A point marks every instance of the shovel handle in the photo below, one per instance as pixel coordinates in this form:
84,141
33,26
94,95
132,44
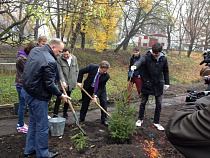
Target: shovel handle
72,109
96,102
64,91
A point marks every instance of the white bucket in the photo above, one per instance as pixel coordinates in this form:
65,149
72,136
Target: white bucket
57,126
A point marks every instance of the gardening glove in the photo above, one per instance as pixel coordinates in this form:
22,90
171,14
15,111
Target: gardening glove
166,87
65,97
64,85
95,99
133,68
79,85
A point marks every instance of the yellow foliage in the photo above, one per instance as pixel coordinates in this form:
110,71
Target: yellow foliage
102,29
145,4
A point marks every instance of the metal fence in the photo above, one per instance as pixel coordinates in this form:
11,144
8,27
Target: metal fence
8,90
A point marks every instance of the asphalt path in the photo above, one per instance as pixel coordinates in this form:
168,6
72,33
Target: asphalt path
8,125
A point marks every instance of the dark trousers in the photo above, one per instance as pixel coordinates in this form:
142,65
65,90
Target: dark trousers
158,101
58,102
86,101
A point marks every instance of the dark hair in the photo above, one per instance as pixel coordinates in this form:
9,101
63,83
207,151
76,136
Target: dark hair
157,48
28,47
65,49
104,64
136,49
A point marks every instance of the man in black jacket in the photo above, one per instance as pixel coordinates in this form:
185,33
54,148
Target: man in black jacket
91,85
189,129
38,86
154,67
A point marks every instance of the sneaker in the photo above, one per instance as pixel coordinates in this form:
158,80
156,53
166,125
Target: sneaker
25,125
49,117
23,129
158,126
139,123
18,126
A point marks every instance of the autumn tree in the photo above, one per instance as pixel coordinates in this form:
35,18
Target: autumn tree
101,24
205,32
171,17
138,15
17,15
193,20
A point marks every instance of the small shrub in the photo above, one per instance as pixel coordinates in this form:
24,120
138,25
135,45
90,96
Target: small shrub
79,140
122,124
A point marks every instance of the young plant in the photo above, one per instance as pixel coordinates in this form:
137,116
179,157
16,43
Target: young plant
122,124
79,140
151,151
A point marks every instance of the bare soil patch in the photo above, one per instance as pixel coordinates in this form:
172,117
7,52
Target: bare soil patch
102,146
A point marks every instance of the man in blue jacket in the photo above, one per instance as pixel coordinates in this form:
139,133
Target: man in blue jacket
38,86
154,74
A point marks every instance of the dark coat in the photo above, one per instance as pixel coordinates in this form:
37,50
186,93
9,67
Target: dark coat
154,73
189,129
40,74
92,70
132,61
20,63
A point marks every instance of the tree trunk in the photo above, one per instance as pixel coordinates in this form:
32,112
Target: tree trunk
83,40
58,20
126,40
169,38
190,48
125,45
36,30
180,47
74,38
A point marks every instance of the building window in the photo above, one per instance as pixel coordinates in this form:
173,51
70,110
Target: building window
144,44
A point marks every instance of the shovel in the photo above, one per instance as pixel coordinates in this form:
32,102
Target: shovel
72,109
96,102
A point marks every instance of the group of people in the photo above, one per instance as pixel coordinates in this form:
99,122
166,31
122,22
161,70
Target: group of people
188,128
39,67
20,64
48,63
151,75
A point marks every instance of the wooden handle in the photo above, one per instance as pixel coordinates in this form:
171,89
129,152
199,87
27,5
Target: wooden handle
64,91
96,102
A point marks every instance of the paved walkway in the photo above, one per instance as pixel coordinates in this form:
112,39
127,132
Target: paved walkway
8,126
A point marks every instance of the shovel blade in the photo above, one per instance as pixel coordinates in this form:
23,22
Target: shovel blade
77,123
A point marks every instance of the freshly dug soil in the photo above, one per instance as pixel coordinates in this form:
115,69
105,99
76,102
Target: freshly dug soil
101,145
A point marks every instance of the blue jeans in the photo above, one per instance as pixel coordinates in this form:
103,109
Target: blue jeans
22,107
37,136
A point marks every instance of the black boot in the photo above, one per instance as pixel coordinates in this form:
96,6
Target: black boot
65,115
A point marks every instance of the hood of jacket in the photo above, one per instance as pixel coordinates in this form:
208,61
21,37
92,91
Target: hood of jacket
21,52
161,54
